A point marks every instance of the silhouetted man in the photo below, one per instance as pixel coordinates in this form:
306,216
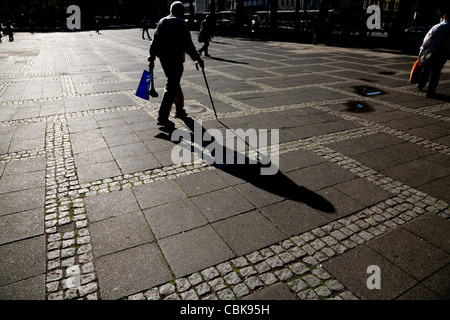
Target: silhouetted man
171,41
438,40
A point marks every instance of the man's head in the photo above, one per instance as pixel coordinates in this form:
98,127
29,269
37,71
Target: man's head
177,9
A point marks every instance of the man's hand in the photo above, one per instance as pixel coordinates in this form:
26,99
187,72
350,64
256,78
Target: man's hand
151,63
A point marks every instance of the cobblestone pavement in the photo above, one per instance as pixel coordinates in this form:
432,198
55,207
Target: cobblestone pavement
92,207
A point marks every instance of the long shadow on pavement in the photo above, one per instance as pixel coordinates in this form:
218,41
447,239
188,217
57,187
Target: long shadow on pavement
278,183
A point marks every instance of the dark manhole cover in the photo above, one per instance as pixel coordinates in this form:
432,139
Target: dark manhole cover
387,73
368,91
368,80
194,108
358,106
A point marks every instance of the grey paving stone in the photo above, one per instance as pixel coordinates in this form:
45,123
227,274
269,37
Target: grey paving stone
138,163
82,123
300,159
431,228
116,131
110,204
164,158
439,282
426,172
419,292
22,260
257,196
21,225
118,140
304,178
113,122
201,183
23,166
154,142
293,217
30,130
194,250
28,289
438,188
375,160
406,152
93,157
22,200
173,218
408,251
22,181
86,144
26,144
158,193
247,232
330,173
129,150
98,171
129,271
275,292
351,270
119,233
363,191
343,204
222,204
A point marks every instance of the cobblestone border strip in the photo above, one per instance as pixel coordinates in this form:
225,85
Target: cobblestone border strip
80,95
70,268
68,88
23,155
66,116
3,87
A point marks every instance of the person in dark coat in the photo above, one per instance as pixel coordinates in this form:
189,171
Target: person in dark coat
206,32
437,39
9,30
171,41
145,24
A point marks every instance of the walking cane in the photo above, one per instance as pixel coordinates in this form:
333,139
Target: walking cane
209,92
258,154
152,91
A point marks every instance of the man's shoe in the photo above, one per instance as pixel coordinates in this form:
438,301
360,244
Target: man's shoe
181,114
165,123
420,87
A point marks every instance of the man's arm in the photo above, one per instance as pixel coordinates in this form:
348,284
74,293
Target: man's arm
428,38
153,48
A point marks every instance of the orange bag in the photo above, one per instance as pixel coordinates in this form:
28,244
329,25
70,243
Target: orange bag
416,72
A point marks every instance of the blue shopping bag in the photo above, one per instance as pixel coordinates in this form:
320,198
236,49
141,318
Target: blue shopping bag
144,85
